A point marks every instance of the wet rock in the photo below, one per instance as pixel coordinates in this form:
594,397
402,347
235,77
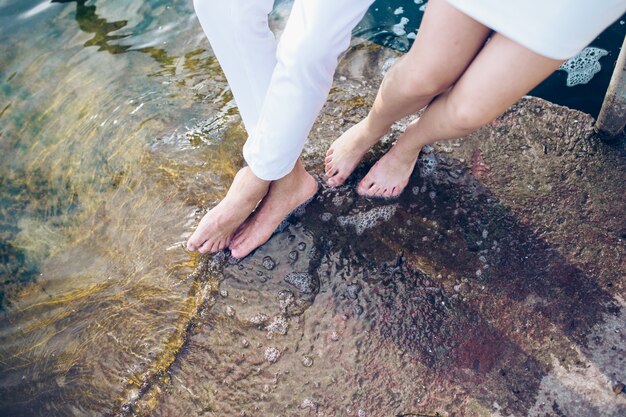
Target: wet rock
618,387
301,246
303,281
308,403
293,256
307,361
353,291
278,325
258,319
272,354
268,263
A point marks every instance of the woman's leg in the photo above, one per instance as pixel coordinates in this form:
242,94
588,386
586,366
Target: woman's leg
246,50
446,43
500,75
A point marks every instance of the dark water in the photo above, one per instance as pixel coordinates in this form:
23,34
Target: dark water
378,26
117,129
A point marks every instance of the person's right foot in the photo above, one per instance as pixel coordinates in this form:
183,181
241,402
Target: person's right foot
284,196
345,153
217,226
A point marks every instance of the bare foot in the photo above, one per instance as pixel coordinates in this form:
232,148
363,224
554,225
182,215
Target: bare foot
284,196
389,175
217,226
346,152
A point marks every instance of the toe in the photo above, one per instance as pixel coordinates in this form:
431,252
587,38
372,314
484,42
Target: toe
215,247
206,247
364,186
328,159
329,152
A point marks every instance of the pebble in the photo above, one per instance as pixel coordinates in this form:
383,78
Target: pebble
302,281
293,256
301,246
618,387
353,291
307,361
224,293
278,325
230,311
334,336
268,263
272,354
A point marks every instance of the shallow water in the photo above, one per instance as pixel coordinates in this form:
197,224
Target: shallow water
117,129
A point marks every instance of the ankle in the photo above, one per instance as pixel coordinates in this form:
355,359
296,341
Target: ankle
374,129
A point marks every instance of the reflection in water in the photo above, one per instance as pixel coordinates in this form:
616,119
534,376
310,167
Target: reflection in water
89,22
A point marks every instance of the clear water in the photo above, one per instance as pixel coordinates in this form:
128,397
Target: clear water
116,128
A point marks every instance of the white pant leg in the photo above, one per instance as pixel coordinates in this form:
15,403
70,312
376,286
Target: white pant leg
317,32
245,48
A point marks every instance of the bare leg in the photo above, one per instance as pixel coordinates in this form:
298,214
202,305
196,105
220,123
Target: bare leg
445,45
284,196
500,75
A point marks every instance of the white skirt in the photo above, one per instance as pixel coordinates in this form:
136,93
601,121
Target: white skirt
557,29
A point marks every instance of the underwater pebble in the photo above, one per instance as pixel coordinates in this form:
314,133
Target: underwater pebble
293,256
307,361
618,387
258,318
358,310
353,291
224,293
278,325
230,311
272,354
307,403
415,190
244,342
302,281
360,413
268,263
326,217
301,246
334,336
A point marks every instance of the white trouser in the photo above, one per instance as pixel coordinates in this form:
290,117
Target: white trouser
279,87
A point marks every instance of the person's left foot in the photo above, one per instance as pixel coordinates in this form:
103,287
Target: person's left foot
389,175
284,196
